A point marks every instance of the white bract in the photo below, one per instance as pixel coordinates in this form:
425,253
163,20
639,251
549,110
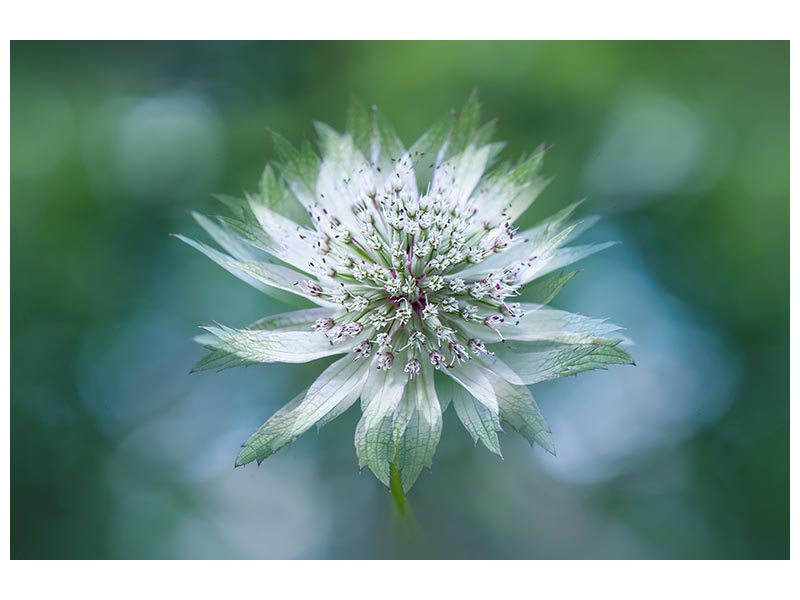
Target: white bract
425,288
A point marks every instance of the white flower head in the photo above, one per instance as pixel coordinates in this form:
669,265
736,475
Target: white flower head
424,287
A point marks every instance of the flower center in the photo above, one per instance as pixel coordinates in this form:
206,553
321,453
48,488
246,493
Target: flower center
396,262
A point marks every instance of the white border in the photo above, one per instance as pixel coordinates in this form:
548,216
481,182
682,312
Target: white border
401,580
403,19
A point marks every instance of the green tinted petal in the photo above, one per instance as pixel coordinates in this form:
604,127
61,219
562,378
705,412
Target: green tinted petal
543,290
421,436
382,393
520,411
481,423
543,361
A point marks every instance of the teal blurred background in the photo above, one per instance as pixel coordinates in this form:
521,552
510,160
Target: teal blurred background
117,452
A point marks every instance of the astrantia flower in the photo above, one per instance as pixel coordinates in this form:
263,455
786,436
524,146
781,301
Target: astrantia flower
425,290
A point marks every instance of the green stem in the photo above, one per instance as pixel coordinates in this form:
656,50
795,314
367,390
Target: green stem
409,536
398,495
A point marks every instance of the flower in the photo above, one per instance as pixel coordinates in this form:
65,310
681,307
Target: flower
423,286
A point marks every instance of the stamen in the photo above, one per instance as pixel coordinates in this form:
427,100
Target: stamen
314,288
385,361
322,324
478,347
493,321
512,309
363,350
412,367
459,353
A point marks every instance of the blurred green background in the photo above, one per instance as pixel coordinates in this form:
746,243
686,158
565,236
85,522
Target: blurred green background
117,452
